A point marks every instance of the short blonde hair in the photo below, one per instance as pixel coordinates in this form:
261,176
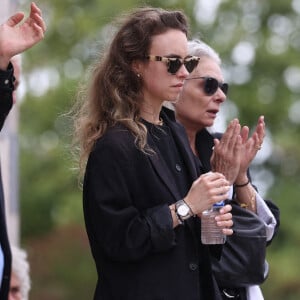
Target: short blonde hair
20,268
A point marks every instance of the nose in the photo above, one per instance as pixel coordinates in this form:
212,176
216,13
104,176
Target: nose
220,97
183,72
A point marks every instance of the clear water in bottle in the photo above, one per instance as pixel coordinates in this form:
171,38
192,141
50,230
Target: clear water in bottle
211,233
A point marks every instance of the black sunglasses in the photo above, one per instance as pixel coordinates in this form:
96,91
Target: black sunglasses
211,85
174,63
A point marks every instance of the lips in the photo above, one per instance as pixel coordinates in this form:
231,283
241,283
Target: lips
212,112
178,85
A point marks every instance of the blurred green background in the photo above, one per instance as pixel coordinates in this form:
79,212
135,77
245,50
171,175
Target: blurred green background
259,43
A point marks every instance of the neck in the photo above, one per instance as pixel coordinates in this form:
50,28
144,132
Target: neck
150,113
192,139
191,132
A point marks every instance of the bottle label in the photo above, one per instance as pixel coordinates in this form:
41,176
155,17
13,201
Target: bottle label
219,204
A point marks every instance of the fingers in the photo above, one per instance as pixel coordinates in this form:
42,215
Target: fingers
227,231
253,143
208,189
217,181
212,176
34,9
226,154
224,219
225,209
231,134
36,15
15,19
257,142
244,134
260,128
40,26
219,189
259,134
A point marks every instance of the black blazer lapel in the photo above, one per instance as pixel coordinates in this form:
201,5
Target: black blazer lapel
162,169
204,145
181,140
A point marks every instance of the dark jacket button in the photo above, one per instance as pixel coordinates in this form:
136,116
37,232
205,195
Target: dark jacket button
193,266
178,168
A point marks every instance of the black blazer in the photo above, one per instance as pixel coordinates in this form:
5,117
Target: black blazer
138,254
6,88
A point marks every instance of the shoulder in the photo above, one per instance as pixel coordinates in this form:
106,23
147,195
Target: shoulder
117,141
170,119
117,136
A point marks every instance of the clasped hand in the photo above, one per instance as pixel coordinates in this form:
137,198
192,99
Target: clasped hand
208,189
235,151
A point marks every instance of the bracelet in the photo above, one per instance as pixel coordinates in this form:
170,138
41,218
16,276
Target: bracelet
250,206
242,185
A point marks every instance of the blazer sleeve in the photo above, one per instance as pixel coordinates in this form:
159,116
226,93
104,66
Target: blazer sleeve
119,220
6,90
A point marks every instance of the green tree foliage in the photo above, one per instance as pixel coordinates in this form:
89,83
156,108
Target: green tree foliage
259,43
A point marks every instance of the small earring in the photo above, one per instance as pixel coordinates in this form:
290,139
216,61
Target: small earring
138,75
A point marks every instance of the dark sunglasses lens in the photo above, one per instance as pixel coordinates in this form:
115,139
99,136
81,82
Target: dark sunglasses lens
224,88
174,65
191,64
211,85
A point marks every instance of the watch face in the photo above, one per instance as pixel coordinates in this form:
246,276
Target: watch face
183,210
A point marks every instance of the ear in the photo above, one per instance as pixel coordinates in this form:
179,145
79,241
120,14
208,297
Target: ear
137,67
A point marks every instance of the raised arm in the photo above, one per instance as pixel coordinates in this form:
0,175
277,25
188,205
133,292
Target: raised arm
16,37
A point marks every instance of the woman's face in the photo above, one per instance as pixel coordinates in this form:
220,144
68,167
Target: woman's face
195,109
15,288
158,84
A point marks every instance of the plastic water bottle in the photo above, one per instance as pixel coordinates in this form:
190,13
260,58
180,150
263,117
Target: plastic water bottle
211,233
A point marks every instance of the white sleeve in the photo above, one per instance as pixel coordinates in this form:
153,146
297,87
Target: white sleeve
266,215
263,212
230,192
254,293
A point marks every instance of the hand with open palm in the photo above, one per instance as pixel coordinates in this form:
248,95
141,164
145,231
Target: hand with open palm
16,37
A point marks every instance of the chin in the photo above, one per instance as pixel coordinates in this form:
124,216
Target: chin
209,124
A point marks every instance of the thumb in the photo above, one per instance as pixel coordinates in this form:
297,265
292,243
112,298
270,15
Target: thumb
216,142
15,19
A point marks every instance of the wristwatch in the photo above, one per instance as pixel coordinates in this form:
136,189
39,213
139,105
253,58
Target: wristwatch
183,211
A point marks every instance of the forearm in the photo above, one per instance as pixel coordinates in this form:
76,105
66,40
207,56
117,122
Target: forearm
245,195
